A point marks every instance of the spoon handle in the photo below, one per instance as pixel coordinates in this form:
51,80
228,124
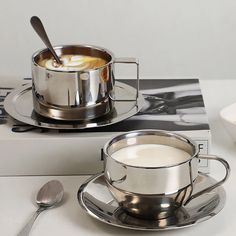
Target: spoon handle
25,231
39,28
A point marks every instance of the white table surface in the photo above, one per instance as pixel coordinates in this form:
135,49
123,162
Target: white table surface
17,194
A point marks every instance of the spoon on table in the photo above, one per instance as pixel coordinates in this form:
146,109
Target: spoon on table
39,29
48,196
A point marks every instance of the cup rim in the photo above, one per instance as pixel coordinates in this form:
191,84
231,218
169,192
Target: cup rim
151,131
74,45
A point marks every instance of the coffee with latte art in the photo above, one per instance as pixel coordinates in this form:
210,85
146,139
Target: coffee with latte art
73,63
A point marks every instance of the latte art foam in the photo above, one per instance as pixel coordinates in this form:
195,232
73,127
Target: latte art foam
150,155
73,63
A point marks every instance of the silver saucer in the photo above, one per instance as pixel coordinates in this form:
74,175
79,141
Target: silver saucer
19,105
95,198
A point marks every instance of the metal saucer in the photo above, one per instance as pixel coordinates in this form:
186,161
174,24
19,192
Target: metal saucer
19,105
95,198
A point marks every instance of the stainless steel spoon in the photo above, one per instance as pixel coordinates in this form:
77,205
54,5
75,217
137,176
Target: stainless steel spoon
38,27
48,196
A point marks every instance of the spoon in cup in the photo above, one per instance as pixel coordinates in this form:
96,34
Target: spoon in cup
48,196
39,29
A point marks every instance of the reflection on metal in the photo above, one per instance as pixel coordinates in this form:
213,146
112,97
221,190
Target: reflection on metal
19,104
4,91
95,198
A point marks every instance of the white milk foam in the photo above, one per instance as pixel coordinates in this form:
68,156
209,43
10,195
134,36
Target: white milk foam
73,62
150,155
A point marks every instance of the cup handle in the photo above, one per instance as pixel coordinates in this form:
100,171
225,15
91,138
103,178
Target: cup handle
210,188
127,60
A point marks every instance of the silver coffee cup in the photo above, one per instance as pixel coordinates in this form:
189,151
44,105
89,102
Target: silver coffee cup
76,95
155,192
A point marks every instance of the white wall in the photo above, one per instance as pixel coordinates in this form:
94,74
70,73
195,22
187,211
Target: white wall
171,38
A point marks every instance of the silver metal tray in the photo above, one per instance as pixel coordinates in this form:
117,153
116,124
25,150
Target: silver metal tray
19,105
95,198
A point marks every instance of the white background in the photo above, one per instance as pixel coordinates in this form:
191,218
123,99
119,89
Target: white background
171,38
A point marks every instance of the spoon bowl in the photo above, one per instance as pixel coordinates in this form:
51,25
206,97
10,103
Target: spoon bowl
49,195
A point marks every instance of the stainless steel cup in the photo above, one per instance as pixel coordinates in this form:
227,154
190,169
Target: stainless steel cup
154,192
75,95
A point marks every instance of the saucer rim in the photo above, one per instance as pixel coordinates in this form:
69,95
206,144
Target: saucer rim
219,207
9,106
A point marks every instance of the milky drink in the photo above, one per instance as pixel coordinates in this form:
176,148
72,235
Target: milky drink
150,155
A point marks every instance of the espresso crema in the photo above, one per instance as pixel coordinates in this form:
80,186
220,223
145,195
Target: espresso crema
150,155
73,63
